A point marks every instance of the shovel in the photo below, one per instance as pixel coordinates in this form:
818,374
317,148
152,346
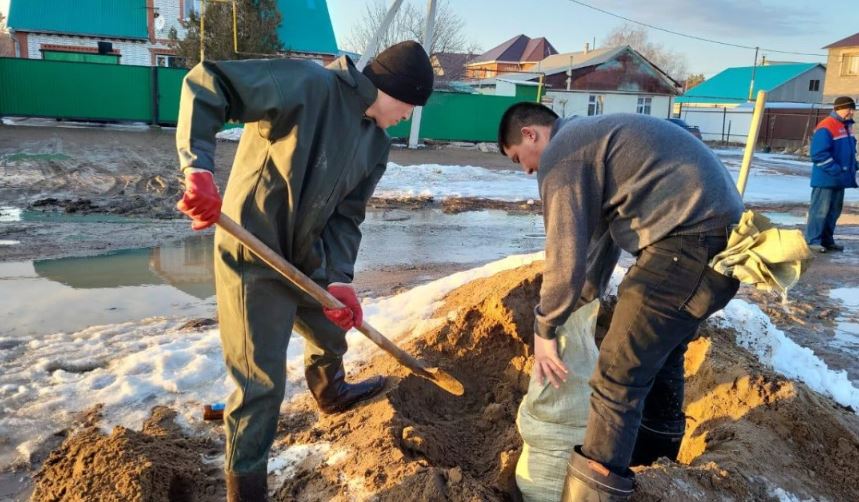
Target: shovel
435,375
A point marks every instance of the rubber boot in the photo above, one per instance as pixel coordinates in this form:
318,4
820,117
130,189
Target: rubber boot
327,383
656,440
590,481
247,487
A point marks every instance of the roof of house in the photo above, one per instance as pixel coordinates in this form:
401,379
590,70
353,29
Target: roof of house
100,18
732,85
562,62
851,41
305,26
518,48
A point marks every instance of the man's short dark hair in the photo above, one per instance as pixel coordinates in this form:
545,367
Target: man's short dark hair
521,115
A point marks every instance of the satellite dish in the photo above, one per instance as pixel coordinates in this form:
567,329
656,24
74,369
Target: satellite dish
159,23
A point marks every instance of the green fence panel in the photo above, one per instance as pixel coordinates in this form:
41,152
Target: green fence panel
169,89
81,57
61,89
459,117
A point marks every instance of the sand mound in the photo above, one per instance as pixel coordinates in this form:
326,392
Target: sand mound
154,464
752,434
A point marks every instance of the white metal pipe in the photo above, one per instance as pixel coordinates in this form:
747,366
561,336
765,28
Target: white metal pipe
414,133
370,50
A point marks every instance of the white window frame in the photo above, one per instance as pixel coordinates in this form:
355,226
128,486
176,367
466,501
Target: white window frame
191,6
644,105
167,59
596,104
813,85
850,64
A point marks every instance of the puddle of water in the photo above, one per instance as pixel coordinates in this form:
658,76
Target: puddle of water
69,294
786,219
176,279
847,327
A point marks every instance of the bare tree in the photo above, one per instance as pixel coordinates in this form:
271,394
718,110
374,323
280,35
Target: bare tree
7,47
694,79
408,24
671,62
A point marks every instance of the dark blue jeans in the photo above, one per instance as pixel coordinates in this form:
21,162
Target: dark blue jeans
823,213
661,302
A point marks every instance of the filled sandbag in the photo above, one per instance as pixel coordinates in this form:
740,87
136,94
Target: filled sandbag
551,421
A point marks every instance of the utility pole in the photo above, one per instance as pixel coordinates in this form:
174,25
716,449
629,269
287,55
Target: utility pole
428,34
754,70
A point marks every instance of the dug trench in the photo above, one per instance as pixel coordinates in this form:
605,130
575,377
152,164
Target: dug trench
752,434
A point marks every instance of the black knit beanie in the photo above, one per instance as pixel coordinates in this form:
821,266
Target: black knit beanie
404,72
843,102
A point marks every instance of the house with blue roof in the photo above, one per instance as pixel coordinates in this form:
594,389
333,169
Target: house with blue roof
783,82
135,32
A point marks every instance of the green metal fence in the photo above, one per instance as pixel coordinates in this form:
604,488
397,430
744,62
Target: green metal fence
96,91
460,117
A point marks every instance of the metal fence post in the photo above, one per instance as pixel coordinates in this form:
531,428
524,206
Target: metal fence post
155,97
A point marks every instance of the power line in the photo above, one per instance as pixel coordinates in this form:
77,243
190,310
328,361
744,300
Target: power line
694,37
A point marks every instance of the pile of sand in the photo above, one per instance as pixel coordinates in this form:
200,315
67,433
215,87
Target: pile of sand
751,432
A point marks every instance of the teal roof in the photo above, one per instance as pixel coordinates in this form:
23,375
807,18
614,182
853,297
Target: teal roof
732,85
306,26
100,18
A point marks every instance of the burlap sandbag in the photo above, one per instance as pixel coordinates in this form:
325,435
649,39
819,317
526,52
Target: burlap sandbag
552,421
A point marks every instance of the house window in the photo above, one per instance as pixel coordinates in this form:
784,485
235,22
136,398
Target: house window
596,103
192,7
850,64
168,61
814,85
643,106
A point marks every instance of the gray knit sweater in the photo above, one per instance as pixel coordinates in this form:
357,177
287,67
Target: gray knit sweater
634,177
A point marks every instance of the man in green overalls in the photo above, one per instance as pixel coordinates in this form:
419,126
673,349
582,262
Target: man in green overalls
313,149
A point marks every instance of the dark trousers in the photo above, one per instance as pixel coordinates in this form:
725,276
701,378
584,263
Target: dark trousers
823,213
638,381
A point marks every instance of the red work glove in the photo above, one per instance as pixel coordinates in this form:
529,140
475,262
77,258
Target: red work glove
350,316
201,200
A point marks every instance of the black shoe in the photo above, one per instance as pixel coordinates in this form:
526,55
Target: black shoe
834,247
327,383
590,481
247,487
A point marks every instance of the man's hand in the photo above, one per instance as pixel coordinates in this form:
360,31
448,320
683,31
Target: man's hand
350,316
201,200
546,362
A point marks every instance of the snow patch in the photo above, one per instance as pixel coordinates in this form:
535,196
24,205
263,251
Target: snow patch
284,464
757,333
446,181
234,134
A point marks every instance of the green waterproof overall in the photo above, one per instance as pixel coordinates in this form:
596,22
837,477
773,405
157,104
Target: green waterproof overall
306,166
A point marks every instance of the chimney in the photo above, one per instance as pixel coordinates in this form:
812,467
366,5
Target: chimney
587,47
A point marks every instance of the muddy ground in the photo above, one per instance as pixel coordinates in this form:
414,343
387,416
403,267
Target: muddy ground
750,431
90,175
414,442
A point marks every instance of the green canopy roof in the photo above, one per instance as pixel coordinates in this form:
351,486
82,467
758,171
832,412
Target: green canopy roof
732,85
99,18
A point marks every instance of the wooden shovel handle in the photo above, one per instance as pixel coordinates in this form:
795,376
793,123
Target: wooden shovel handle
325,298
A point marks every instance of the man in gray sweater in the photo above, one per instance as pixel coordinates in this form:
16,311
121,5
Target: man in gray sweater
650,188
